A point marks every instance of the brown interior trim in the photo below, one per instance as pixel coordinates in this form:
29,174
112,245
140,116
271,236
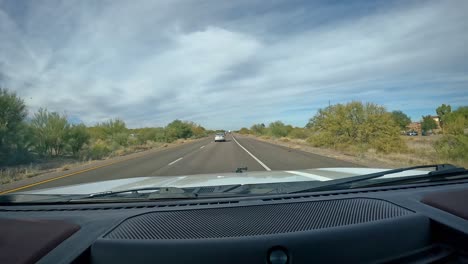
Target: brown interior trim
454,202
28,240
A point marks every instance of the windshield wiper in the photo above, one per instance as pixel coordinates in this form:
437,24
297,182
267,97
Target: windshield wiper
159,193
137,194
441,171
147,193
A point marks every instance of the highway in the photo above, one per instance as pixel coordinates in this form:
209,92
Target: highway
205,156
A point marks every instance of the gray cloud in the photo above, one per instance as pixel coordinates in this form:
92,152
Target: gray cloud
234,63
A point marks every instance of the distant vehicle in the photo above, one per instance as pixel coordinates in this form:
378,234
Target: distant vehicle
412,133
220,137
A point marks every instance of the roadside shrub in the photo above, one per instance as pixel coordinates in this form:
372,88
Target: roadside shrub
356,126
244,131
14,135
133,140
453,147
120,152
99,150
113,146
77,137
279,129
455,124
197,130
178,129
258,129
51,131
300,133
143,135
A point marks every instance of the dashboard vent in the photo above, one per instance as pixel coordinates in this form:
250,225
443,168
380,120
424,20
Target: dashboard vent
255,220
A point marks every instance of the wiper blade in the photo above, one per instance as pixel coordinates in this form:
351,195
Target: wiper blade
148,193
431,177
440,171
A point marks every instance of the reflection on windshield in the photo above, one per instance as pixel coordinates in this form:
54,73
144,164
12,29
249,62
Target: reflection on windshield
227,93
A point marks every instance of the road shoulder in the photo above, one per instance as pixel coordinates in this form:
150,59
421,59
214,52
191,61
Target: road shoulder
303,146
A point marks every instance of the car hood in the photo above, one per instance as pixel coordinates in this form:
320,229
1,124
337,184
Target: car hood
218,179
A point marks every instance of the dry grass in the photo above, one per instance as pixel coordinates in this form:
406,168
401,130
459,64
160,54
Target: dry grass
420,151
8,175
19,172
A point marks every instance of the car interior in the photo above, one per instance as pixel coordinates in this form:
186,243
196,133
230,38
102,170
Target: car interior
412,223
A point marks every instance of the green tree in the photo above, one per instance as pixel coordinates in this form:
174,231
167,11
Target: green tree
51,132
77,137
463,111
456,121
156,134
113,131
453,148
455,125
113,128
428,123
401,119
279,129
178,129
244,131
356,124
443,111
297,132
258,129
197,130
97,132
13,132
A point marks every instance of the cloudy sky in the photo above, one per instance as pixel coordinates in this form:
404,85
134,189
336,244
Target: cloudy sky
227,64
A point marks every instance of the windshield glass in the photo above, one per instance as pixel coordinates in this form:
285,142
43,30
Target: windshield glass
229,97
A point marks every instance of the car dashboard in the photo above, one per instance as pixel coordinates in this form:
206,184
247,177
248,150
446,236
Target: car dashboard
423,223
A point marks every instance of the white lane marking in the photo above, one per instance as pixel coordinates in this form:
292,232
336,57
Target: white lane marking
202,147
255,158
309,175
174,161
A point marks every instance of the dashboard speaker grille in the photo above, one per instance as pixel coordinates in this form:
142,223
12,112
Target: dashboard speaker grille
255,220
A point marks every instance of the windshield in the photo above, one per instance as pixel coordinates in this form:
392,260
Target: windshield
116,100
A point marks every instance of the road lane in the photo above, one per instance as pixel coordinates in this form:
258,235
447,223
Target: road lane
205,156
215,157
139,167
283,158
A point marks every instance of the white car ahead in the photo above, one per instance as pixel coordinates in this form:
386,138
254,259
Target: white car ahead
220,137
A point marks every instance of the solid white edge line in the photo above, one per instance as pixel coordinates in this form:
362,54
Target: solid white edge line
255,158
174,161
308,175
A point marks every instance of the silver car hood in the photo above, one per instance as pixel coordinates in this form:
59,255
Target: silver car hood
199,180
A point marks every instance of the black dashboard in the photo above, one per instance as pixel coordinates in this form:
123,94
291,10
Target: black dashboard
401,224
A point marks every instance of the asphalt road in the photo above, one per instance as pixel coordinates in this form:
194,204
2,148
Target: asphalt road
205,156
